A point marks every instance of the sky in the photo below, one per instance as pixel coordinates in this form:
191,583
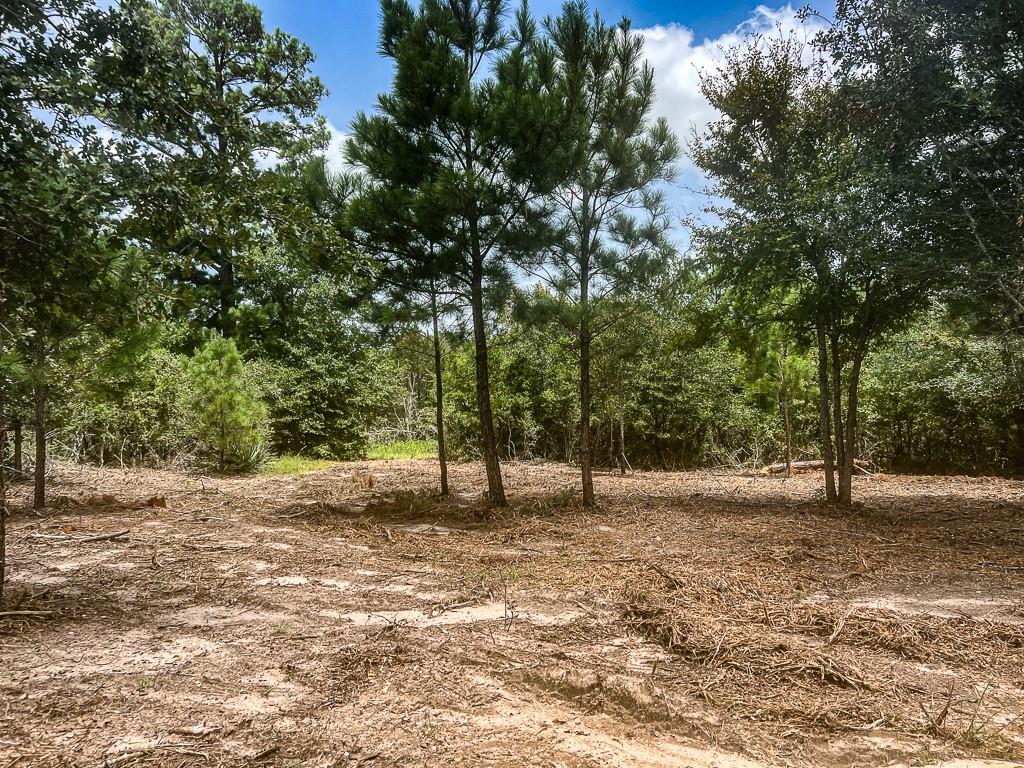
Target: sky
681,38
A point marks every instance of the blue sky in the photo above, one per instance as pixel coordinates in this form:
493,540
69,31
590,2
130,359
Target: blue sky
343,34
682,37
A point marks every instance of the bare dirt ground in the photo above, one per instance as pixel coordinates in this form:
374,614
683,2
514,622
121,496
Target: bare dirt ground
694,619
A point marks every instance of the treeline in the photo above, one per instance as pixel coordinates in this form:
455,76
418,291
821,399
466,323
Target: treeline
184,279
668,395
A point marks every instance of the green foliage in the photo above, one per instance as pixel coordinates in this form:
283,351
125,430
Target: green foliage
683,401
403,449
324,404
230,419
937,398
816,234
874,177
291,464
610,221
127,404
942,84
326,382
207,91
460,151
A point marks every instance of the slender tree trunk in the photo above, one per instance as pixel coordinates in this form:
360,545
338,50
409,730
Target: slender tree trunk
586,450
495,487
623,462
586,447
837,402
784,407
19,463
442,455
3,503
226,297
823,412
3,469
846,471
225,263
788,427
611,441
39,394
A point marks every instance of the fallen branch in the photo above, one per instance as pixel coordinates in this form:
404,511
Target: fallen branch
806,466
102,537
839,627
666,575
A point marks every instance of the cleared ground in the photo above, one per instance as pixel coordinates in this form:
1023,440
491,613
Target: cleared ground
349,617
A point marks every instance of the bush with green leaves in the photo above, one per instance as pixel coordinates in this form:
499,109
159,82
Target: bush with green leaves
937,398
121,399
230,418
683,402
326,379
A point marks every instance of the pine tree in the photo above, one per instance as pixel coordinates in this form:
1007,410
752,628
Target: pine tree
412,280
603,251
229,415
472,126
206,91
63,265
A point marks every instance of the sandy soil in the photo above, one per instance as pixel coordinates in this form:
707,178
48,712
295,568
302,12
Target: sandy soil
694,619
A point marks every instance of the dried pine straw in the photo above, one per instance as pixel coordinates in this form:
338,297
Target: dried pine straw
827,668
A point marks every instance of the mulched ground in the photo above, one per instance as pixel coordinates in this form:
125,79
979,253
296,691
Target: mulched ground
351,617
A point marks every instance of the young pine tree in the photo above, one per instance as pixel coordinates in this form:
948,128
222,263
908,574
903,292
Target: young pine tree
230,419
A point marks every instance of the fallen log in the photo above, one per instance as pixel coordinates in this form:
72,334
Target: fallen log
813,465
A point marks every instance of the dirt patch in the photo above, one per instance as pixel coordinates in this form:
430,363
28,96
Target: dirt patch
947,605
693,619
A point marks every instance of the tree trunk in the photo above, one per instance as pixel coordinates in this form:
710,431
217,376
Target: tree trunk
613,436
39,393
442,455
846,471
788,427
3,504
611,441
19,463
495,487
3,472
837,402
784,406
226,297
586,450
586,455
823,411
621,458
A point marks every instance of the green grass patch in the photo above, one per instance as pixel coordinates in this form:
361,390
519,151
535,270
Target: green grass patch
295,465
403,449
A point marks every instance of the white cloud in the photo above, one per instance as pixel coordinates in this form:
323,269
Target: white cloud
335,152
678,60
